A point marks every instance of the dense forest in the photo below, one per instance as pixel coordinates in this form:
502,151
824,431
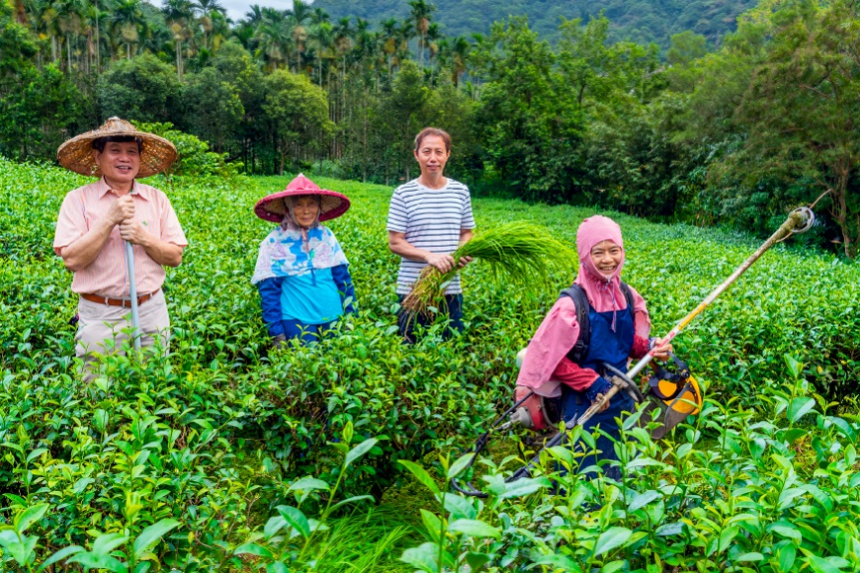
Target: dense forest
733,136
643,21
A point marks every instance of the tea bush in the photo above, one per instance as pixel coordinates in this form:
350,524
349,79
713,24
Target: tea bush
772,490
204,450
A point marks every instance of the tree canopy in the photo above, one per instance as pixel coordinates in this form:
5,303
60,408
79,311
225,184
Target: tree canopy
734,132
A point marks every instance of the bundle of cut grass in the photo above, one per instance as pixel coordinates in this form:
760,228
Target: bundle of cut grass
520,253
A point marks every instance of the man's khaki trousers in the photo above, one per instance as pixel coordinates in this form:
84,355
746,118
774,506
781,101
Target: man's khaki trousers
103,329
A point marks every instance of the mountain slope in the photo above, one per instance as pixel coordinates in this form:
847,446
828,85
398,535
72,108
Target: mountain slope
641,21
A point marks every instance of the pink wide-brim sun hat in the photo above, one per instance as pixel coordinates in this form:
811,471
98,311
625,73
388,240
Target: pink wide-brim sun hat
273,208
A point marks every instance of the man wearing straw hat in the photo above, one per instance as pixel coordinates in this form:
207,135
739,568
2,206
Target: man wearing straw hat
98,221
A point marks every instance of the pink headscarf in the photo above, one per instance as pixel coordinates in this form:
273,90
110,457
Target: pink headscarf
604,293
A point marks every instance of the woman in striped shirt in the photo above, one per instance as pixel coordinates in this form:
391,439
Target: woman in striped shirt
428,219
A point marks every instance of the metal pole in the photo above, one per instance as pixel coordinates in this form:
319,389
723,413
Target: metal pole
132,293
798,221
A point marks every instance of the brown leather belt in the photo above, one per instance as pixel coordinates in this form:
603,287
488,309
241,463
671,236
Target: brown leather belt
123,302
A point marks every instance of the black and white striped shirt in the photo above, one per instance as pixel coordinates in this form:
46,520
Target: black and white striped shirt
432,220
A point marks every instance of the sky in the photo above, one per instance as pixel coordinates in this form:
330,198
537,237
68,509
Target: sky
236,8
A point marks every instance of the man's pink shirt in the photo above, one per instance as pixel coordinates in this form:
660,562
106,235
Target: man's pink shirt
107,275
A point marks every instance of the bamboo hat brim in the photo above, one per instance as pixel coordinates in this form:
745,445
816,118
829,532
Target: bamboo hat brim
274,208
76,154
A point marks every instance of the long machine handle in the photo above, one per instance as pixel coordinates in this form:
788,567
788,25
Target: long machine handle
799,221
620,382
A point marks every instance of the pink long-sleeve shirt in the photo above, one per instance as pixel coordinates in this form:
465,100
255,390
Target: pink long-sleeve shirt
546,363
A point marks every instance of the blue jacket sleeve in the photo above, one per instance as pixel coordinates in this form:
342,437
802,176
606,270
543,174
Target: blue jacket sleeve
343,281
270,300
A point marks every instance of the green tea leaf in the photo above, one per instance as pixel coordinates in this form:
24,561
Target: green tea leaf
477,560
610,539
308,484
458,466
821,565
422,557
347,433
557,562
358,451
820,496
93,561
800,407
152,535
107,542
22,551
421,474
793,434
788,531
786,555
524,486
8,536
727,535
670,529
613,566
253,549
35,454
273,526
474,528
459,507
60,555
29,516
296,519
795,368
432,524
644,499
844,427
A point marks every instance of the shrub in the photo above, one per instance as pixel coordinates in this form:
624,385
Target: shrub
194,155
721,493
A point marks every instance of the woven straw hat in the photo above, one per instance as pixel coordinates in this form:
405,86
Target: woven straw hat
76,154
273,208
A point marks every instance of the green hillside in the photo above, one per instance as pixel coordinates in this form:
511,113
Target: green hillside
643,21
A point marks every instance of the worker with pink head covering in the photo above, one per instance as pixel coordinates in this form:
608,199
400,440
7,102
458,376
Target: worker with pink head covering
573,380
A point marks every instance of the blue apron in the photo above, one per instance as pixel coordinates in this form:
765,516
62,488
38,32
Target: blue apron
605,347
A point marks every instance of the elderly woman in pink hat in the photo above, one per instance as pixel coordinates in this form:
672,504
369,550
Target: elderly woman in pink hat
559,365
302,273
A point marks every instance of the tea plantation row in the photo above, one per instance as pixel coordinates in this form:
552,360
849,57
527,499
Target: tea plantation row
218,458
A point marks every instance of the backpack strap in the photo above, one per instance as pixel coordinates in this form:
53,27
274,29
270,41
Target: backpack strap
628,294
580,350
